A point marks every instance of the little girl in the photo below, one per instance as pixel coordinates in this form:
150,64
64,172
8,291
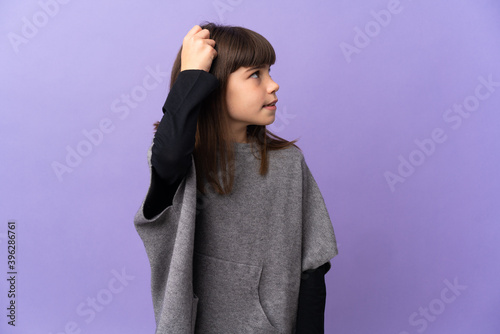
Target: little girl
234,225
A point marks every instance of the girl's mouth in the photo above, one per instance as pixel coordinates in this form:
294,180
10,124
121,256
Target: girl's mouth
271,106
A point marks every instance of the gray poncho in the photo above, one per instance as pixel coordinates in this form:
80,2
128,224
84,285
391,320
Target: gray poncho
233,263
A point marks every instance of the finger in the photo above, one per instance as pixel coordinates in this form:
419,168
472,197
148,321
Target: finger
205,33
194,30
210,42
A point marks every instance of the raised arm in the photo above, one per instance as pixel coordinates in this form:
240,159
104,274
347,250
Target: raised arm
174,139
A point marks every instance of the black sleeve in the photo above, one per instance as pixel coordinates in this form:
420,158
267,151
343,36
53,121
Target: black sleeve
312,300
174,140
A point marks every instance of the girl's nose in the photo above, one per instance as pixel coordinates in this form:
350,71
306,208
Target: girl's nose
273,86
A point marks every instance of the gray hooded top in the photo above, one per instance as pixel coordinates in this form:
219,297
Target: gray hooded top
233,263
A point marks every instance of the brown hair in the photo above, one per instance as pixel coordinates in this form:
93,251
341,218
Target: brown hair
236,47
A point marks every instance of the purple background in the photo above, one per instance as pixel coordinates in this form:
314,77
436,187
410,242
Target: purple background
399,248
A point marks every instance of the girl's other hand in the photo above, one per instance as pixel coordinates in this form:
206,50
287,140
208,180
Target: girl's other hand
197,50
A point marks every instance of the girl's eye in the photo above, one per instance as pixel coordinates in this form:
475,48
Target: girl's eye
255,75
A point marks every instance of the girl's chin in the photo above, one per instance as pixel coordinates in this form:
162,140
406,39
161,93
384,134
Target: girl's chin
270,120
267,120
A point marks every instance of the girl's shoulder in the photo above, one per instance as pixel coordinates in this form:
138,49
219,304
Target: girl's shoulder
292,152
291,157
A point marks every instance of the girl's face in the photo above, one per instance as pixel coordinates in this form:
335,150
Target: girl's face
251,97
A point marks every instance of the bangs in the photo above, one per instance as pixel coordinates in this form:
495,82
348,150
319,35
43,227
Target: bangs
243,47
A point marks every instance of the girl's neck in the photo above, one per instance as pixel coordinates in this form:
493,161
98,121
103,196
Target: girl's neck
239,132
